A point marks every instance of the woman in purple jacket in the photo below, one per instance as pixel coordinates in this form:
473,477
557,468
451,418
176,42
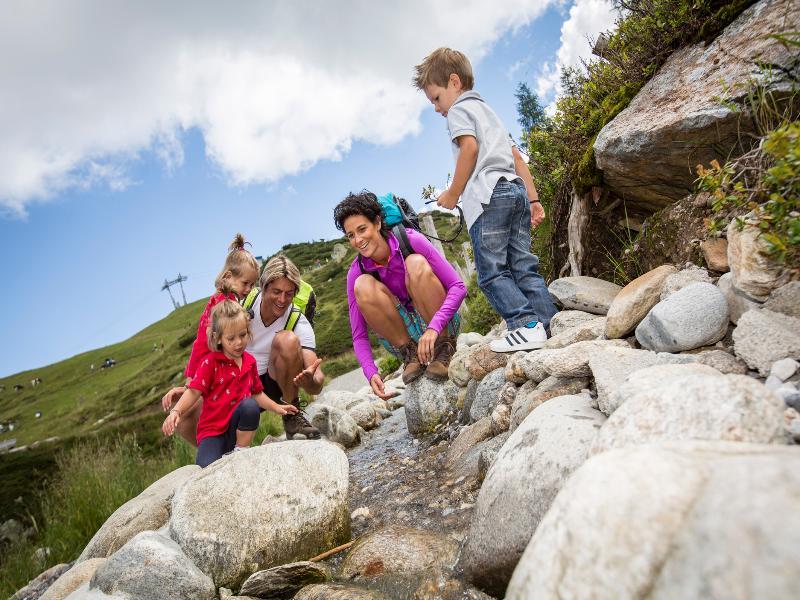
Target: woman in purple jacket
410,304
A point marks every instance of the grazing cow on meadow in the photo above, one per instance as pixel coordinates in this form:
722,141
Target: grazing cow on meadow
17,387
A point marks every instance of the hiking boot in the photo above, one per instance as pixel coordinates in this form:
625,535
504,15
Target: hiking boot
443,351
298,423
412,368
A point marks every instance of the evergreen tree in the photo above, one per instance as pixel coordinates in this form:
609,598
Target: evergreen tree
529,110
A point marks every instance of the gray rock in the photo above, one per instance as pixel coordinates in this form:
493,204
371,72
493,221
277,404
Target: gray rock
531,395
753,271
785,300
635,300
722,361
515,373
438,586
587,294
500,418
738,302
146,512
307,493
529,470
80,574
763,337
39,584
467,438
85,593
590,330
687,276
694,316
427,403
695,407
395,550
488,394
469,398
468,338
336,424
457,371
284,581
689,520
533,365
567,319
151,565
365,415
783,369
337,591
489,451
643,151
573,361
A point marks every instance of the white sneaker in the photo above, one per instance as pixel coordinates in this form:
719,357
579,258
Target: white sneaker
524,338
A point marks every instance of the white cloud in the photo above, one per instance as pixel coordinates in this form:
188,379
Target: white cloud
587,19
87,86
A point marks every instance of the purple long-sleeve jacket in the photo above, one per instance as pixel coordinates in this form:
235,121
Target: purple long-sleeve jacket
393,276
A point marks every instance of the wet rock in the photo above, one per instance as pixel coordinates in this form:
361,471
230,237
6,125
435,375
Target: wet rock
151,565
715,253
530,397
529,470
567,319
146,512
308,493
365,415
590,330
694,316
722,361
427,403
336,424
662,527
337,591
468,437
489,453
754,272
71,580
763,337
440,587
457,371
396,549
488,394
635,300
482,361
785,300
738,302
587,294
284,581
573,361
695,407
643,151
39,584
685,277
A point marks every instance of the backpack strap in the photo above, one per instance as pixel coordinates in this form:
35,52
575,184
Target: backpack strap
250,299
294,317
365,272
402,239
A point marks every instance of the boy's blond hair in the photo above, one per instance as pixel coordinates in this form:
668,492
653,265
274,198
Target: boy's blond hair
438,65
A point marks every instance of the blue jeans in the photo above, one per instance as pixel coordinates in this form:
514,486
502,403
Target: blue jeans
244,418
508,273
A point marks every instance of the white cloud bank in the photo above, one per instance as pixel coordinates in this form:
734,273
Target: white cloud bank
274,87
587,19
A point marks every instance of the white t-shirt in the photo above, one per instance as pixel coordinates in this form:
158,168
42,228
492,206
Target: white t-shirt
262,335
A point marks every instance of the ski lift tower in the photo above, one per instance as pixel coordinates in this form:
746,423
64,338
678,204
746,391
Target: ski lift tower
179,282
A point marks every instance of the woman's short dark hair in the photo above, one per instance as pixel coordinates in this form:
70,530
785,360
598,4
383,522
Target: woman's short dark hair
365,204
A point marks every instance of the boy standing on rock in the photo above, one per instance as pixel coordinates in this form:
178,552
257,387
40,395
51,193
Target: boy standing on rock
498,197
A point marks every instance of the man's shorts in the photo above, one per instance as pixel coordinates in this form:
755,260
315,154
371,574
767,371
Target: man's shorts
271,387
416,326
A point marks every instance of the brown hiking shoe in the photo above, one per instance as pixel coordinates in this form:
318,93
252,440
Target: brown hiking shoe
412,368
293,424
443,351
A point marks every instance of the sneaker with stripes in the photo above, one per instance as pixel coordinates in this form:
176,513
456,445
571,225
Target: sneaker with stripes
530,337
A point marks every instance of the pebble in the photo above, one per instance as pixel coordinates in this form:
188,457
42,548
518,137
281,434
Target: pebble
783,369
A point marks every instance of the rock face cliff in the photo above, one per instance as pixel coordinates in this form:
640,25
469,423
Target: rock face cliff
649,151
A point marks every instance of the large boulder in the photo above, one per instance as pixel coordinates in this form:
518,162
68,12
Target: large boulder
635,300
573,361
268,512
696,406
531,395
690,520
738,302
151,565
481,361
643,151
488,394
457,372
567,319
785,300
587,294
690,274
396,549
589,330
146,512
336,424
690,318
753,271
467,438
528,472
81,573
763,337
427,403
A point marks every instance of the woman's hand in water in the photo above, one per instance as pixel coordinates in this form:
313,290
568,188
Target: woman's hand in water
171,422
171,397
376,383
425,346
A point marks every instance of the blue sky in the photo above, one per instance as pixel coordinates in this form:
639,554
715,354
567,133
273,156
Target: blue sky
87,242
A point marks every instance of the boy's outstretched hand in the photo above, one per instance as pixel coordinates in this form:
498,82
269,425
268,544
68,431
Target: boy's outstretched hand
447,199
537,214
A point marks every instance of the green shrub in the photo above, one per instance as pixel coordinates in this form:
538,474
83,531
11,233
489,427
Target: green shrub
388,365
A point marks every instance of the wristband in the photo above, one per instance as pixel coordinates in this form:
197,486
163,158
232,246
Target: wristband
534,202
